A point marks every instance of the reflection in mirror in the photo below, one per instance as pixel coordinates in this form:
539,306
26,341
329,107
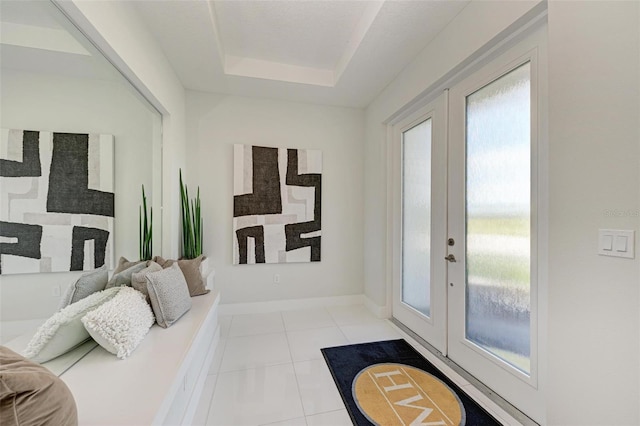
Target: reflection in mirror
55,81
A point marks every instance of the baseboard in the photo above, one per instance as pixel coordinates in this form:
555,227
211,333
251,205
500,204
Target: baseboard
289,305
375,309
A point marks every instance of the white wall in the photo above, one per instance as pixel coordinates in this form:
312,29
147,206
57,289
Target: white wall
593,302
594,137
215,123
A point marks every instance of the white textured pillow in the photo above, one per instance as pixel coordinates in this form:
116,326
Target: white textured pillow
169,295
64,330
87,284
120,324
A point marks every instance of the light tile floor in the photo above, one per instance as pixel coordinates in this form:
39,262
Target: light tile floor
268,368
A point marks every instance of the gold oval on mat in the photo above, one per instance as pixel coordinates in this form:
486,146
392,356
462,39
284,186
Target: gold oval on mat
391,394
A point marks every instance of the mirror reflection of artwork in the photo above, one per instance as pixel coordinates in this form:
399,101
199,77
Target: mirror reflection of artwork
56,201
276,205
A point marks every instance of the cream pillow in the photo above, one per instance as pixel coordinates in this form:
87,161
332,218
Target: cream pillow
169,295
64,330
120,324
87,284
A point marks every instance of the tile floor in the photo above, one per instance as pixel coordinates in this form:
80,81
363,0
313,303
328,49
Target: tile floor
268,368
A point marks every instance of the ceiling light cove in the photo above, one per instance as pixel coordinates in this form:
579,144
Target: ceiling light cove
311,42
267,70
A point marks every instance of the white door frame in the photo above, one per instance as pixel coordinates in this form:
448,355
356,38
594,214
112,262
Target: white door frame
531,36
526,392
432,328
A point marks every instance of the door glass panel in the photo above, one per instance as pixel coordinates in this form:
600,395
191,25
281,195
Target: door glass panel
498,211
416,217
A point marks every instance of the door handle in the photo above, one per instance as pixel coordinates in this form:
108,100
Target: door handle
451,258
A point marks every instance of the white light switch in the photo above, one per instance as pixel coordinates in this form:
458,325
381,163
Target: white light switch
616,242
621,243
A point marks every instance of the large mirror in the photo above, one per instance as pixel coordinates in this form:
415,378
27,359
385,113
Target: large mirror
55,82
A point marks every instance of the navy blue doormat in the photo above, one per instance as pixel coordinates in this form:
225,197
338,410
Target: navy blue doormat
390,383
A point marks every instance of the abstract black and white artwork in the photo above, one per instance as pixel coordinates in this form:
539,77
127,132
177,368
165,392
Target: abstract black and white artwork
277,206
56,201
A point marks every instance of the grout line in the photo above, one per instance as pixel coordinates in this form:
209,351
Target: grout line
311,328
327,412
330,316
295,374
285,420
213,391
258,334
344,334
223,343
256,367
224,347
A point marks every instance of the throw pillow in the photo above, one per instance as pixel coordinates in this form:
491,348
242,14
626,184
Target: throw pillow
64,330
191,270
139,279
169,295
87,284
32,395
120,324
123,278
123,264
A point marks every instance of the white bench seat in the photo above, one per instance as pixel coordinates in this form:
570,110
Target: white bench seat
160,383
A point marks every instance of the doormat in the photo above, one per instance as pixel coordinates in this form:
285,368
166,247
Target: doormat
390,383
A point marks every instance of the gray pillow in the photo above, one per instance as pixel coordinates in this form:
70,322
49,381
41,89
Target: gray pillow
139,279
86,285
191,270
124,263
169,295
124,278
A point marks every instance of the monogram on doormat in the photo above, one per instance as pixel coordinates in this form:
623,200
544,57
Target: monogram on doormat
389,383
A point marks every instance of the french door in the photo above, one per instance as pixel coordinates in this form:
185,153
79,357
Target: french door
420,157
467,224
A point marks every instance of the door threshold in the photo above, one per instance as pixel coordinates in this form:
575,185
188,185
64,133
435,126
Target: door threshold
495,398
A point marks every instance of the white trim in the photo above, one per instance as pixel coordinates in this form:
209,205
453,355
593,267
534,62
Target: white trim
431,328
501,43
93,35
194,399
377,310
526,391
527,31
290,305
172,400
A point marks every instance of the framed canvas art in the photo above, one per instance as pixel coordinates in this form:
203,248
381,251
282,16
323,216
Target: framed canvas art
277,205
56,201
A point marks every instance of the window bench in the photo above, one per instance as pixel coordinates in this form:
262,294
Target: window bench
160,383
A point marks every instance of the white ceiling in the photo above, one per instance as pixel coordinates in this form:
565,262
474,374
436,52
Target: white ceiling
320,51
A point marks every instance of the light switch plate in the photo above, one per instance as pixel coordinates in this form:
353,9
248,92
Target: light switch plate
616,243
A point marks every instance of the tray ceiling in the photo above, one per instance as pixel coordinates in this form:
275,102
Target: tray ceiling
327,52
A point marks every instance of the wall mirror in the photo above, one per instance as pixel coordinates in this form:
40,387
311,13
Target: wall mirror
53,79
